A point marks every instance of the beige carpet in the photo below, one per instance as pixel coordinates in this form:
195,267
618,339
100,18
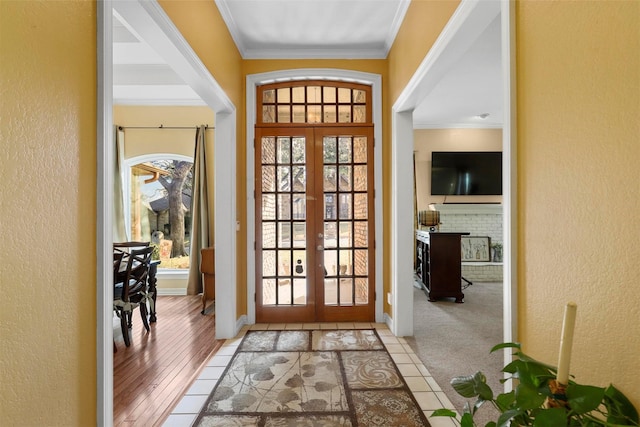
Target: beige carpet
455,339
311,378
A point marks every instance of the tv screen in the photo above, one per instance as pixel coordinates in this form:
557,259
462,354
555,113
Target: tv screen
468,173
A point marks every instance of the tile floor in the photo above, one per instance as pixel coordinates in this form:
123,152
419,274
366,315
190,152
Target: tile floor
426,391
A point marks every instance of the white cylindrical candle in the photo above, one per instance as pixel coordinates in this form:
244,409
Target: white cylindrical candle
566,341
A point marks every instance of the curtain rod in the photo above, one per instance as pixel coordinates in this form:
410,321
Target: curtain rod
164,127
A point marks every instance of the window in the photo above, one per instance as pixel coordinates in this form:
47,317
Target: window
159,187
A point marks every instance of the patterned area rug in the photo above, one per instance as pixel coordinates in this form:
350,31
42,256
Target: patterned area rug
311,378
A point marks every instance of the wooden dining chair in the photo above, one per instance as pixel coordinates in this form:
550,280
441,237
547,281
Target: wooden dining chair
131,289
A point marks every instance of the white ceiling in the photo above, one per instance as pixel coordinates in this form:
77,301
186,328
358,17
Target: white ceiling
277,29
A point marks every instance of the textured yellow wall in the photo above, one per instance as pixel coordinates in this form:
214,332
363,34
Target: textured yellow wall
48,214
579,188
202,26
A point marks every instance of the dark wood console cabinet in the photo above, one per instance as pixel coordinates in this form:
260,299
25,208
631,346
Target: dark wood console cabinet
438,264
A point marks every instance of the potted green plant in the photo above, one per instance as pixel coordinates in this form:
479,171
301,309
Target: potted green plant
536,401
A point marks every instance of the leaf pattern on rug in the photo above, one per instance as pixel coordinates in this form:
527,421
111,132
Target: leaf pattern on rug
294,386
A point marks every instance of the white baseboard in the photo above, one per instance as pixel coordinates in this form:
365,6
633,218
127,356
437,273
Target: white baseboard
171,291
240,323
389,321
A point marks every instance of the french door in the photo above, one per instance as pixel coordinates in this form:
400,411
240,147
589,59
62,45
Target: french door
314,223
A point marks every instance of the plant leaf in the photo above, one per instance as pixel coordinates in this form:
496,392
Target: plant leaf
584,398
550,418
466,420
528,397
504,420
505,345
444,413
621,410
470,385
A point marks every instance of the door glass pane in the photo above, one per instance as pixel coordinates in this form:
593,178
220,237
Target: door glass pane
314,95
299,206
360,178
298,94
346,291
346,238
284,114
284,234
359,149
330,206
300,291
283,95
330,114
344,95
360,233
345,178
284,150
359,114
314,114
268,235
268,150
360,206
359,96
268,206
344,150
268,263
330,291
330,177
329,94
346,263
284,178
284,206
299,263
268,291
269,96
345,206
297,149
284,291
362,290
298,114
299,235
329,151
269,113
284,263
361,263
268,178
299,178
330,262
344,113
330,237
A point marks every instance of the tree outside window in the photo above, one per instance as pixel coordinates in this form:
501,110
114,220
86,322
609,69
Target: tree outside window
160,208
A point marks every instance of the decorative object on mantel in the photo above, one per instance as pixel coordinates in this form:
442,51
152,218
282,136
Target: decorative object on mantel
544,395
497,251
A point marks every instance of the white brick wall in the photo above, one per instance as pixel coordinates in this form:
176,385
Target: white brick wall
479,220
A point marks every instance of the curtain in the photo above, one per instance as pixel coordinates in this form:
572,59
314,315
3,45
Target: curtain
199,212
119,229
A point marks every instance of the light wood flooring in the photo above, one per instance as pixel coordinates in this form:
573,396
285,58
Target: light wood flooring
153,374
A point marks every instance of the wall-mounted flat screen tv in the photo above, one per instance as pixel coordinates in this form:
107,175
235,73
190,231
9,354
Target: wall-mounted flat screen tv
468,173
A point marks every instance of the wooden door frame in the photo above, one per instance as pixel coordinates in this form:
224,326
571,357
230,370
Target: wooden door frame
255,80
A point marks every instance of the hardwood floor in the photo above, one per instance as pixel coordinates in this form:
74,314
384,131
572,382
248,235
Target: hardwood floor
157,369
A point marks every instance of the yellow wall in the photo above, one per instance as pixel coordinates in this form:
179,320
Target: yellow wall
48,213
579,189
426,141
202,26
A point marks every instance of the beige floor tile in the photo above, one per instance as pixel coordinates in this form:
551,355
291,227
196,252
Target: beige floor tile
293,326
276,326
343,325
433,384
260,327
444,399
395,348
417,384
401,358
415,358
328,326
423,370
427,400
389,339
362,325
220,360
409,370
311,326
